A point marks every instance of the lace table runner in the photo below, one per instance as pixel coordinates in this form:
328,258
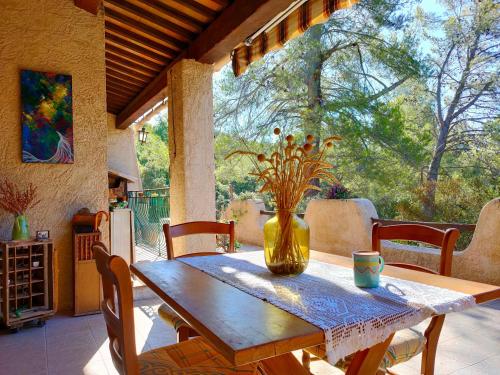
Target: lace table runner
325,295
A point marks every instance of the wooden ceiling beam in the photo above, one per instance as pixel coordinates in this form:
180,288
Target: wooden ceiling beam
116,103
173,13
123,91
130,65
136,26
91,6
222,3
112,92
113,77
132,57
144,53
139,39
124,77
238,21
197,8
127,71
230,28
121,85
156,20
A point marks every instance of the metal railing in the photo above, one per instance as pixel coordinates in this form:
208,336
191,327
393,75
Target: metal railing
151,209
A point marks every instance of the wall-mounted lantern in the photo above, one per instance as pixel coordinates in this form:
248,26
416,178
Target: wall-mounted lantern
143,135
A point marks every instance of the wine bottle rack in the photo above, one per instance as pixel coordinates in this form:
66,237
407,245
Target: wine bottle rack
26,282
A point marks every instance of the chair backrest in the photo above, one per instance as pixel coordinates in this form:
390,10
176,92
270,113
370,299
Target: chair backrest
117,308
197,227
445,240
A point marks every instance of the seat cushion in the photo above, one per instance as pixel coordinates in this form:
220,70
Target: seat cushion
171,317
405,345
193,357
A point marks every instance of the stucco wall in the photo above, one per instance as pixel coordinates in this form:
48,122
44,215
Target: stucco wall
343,226
122,155
191,150
55,36
249,222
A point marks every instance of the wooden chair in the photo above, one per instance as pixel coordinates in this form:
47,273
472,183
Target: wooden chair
409,342
184,331
195,356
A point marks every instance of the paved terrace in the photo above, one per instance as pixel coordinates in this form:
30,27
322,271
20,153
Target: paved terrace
73,346
78,345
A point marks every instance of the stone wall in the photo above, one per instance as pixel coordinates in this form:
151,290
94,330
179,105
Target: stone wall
122,156
55,36
343,226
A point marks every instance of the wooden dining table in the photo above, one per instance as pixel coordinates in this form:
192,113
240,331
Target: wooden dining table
245,329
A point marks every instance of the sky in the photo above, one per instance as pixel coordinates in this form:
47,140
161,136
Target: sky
429,6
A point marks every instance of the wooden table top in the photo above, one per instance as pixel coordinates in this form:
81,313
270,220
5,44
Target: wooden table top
246,329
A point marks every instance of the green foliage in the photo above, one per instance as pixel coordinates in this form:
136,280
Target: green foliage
153,156
369,76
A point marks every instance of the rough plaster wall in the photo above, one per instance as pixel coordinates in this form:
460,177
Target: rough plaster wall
122,155
348,219
481,260
191,149
342,226
249,222
55,36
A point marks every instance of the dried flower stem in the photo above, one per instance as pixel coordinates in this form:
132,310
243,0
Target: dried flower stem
17,201
287,176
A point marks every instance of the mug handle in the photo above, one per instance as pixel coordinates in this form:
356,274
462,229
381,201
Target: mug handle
382,263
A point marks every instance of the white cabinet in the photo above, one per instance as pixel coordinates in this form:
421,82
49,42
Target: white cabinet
121,229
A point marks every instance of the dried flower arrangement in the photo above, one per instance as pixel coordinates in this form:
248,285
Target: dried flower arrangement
287,175
15,200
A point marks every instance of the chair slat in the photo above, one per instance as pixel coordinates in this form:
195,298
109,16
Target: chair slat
119,317
445,240
197,227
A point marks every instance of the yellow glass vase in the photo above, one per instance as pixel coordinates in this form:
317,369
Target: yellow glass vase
286,243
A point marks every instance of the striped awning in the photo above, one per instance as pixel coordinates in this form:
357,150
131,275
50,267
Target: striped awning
310,13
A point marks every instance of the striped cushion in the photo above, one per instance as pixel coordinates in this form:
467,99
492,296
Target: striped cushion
171,317
405,345
193,357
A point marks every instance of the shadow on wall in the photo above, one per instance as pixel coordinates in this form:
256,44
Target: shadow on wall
343,226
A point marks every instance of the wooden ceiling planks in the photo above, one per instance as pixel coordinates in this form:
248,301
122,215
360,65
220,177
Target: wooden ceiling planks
228,28
145,36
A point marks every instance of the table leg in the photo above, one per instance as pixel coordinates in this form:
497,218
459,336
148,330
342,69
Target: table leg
367,362
283,364
429,353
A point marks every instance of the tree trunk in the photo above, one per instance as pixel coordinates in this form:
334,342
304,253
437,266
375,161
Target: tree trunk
429,204
313,65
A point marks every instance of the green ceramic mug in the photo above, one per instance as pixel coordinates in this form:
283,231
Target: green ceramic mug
367,268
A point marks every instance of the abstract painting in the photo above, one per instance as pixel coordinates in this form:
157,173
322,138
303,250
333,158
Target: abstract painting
47,117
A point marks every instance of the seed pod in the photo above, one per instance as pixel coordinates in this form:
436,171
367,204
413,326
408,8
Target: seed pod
309,138
308,147
289,138
261,157
277,131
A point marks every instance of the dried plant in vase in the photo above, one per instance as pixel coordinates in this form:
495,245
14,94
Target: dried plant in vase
287,174
17,202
